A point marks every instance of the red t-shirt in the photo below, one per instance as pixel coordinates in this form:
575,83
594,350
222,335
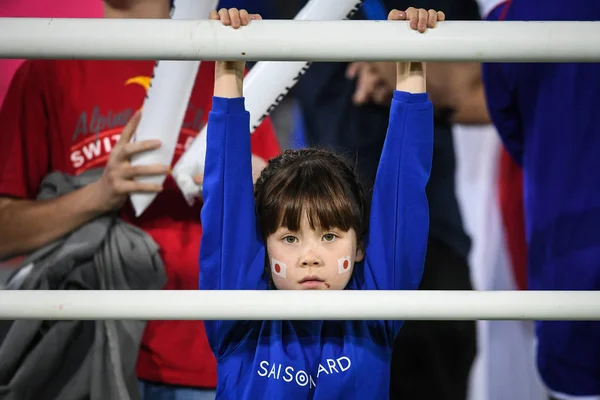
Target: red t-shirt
66,115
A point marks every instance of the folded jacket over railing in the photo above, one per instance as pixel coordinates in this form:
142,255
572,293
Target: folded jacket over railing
79,359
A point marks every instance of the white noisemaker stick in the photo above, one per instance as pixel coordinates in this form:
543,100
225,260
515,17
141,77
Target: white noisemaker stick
166,103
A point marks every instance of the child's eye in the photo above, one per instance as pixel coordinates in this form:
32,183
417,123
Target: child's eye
290,239
329,237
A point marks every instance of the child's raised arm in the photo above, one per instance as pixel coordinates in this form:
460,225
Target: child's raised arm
231,252
399,219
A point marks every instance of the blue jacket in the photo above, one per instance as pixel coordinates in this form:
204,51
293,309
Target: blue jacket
312,359
547,118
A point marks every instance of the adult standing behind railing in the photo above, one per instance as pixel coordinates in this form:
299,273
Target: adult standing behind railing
546,116
8,67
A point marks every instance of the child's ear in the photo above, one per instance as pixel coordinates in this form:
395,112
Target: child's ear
360,253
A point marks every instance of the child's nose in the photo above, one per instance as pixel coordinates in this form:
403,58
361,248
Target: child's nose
311,259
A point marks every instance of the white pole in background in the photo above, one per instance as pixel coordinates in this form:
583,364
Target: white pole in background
299,305
280,40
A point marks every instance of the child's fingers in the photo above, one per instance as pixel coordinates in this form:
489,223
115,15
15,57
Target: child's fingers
422,25
224,16
234,16
213,15
396,15
412,15
245,18
255,16
441,16
432,18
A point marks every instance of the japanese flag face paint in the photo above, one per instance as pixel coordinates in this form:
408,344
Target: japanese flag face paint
278,268
343,265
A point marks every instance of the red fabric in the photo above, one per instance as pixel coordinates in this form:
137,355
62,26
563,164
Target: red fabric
66,116
41,9
507,5
510,188
510,183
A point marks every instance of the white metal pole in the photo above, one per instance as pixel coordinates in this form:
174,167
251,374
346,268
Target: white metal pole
279,40
300,305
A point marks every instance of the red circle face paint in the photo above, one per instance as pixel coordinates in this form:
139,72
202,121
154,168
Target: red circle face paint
343,265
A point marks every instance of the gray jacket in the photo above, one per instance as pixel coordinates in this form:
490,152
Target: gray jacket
76,360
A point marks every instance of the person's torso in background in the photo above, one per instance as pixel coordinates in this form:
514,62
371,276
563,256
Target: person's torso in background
90,103
87,104
557,104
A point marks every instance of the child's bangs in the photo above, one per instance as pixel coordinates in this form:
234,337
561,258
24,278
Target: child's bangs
321,196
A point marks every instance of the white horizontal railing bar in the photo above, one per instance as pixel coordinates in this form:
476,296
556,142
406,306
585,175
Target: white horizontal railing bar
300,305
286,40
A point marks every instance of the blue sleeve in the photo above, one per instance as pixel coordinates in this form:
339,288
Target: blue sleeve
396,243
503,108
232,253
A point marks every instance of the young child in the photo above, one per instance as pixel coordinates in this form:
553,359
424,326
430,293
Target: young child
305,220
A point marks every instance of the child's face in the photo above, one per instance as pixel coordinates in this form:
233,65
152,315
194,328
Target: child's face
312,259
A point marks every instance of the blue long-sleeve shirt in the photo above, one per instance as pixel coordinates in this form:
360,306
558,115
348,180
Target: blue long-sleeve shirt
312,359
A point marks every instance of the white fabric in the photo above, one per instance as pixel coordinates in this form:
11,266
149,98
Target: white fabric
505,364
562,396
486,6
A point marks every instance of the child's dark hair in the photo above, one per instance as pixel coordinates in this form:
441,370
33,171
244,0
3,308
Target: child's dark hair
312,181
